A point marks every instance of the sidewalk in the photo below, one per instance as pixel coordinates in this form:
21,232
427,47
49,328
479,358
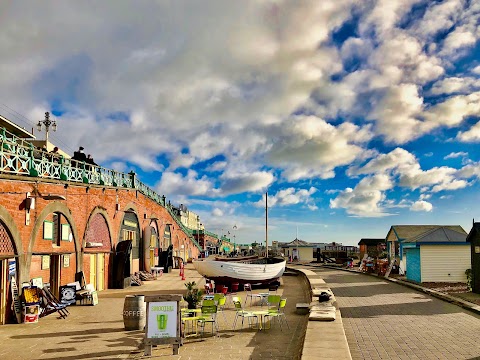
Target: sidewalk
97,332
467,301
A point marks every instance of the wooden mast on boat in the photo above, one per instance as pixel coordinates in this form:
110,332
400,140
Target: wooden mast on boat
266,224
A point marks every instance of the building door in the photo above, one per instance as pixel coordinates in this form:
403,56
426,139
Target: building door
3,290
100,272
55,275
93,270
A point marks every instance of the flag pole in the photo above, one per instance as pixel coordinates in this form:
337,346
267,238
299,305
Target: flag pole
266,224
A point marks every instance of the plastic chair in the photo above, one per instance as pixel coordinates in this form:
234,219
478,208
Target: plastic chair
208,315
221,306
273,303
208,302
280,314
248,289
243,314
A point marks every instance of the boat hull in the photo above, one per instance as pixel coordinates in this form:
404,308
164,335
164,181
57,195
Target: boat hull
234,271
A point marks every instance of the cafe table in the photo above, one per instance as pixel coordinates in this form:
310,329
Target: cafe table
261,315
190,316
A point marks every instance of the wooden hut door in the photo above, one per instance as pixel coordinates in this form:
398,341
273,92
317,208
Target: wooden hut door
55,275
100,272
93,270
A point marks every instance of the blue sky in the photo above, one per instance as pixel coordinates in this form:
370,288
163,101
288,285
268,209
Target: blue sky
353,115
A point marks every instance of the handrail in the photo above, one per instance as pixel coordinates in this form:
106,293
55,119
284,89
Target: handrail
20,157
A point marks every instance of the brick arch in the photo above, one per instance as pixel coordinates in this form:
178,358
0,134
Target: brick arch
62,208
9,224
100,222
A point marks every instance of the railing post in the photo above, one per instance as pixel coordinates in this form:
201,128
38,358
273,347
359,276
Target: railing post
62,166
32,170
84,173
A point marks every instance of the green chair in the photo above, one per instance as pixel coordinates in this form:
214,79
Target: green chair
208,315
280,313
221,306
208,302
243,314
273,302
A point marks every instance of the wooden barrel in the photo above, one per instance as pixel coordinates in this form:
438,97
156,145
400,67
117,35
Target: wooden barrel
134,312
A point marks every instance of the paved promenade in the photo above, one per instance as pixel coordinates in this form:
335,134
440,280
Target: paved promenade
97,332
384,320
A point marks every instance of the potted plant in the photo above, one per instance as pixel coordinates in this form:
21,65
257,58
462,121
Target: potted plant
193,295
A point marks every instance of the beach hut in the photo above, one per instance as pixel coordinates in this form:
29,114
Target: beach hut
439,254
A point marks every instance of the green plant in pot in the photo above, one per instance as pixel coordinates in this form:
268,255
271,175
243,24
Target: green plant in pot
193,295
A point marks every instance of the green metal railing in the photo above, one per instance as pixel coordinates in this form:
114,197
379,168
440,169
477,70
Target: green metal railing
20,157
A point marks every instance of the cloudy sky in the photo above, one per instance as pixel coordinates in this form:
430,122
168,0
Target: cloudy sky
353,115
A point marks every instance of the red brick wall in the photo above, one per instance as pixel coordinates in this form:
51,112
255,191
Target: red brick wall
82,202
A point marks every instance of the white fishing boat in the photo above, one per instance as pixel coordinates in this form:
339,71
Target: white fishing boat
255,271
243,270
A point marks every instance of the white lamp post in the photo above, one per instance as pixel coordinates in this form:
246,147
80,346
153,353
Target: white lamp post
47,123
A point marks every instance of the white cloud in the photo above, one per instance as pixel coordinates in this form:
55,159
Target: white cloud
453,111
455,85
397,114
404,166
175,184
366,199
421,206
476,69
457,39
455,155
217,212
397,159
310,147
235,182
471,135
290,196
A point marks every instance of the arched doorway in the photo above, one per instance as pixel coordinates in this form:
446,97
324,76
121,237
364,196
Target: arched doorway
97,250
53,253
8,269
130,231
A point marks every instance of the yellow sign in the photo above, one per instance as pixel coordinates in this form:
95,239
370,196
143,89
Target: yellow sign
45,262
129,223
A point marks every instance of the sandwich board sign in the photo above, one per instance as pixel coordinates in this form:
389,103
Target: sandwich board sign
163,322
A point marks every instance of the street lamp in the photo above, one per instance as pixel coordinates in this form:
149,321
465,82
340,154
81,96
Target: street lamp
235,231
47,123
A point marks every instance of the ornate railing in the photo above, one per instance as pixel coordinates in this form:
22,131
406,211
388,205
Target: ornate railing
20,157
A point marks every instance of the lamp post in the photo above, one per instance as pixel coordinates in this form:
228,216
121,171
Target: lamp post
47,123
234,233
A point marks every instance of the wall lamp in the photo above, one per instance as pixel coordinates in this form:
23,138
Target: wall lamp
30,203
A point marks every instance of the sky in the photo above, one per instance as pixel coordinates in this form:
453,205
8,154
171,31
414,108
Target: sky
352,115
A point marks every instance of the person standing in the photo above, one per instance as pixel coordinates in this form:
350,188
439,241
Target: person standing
79,155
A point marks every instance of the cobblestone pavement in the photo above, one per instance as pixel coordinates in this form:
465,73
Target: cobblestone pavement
97,332
383,320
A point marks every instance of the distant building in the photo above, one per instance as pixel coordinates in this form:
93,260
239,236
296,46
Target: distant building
430,253
372,247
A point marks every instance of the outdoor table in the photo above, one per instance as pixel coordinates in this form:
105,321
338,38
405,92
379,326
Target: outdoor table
261,317
189,317
157,271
